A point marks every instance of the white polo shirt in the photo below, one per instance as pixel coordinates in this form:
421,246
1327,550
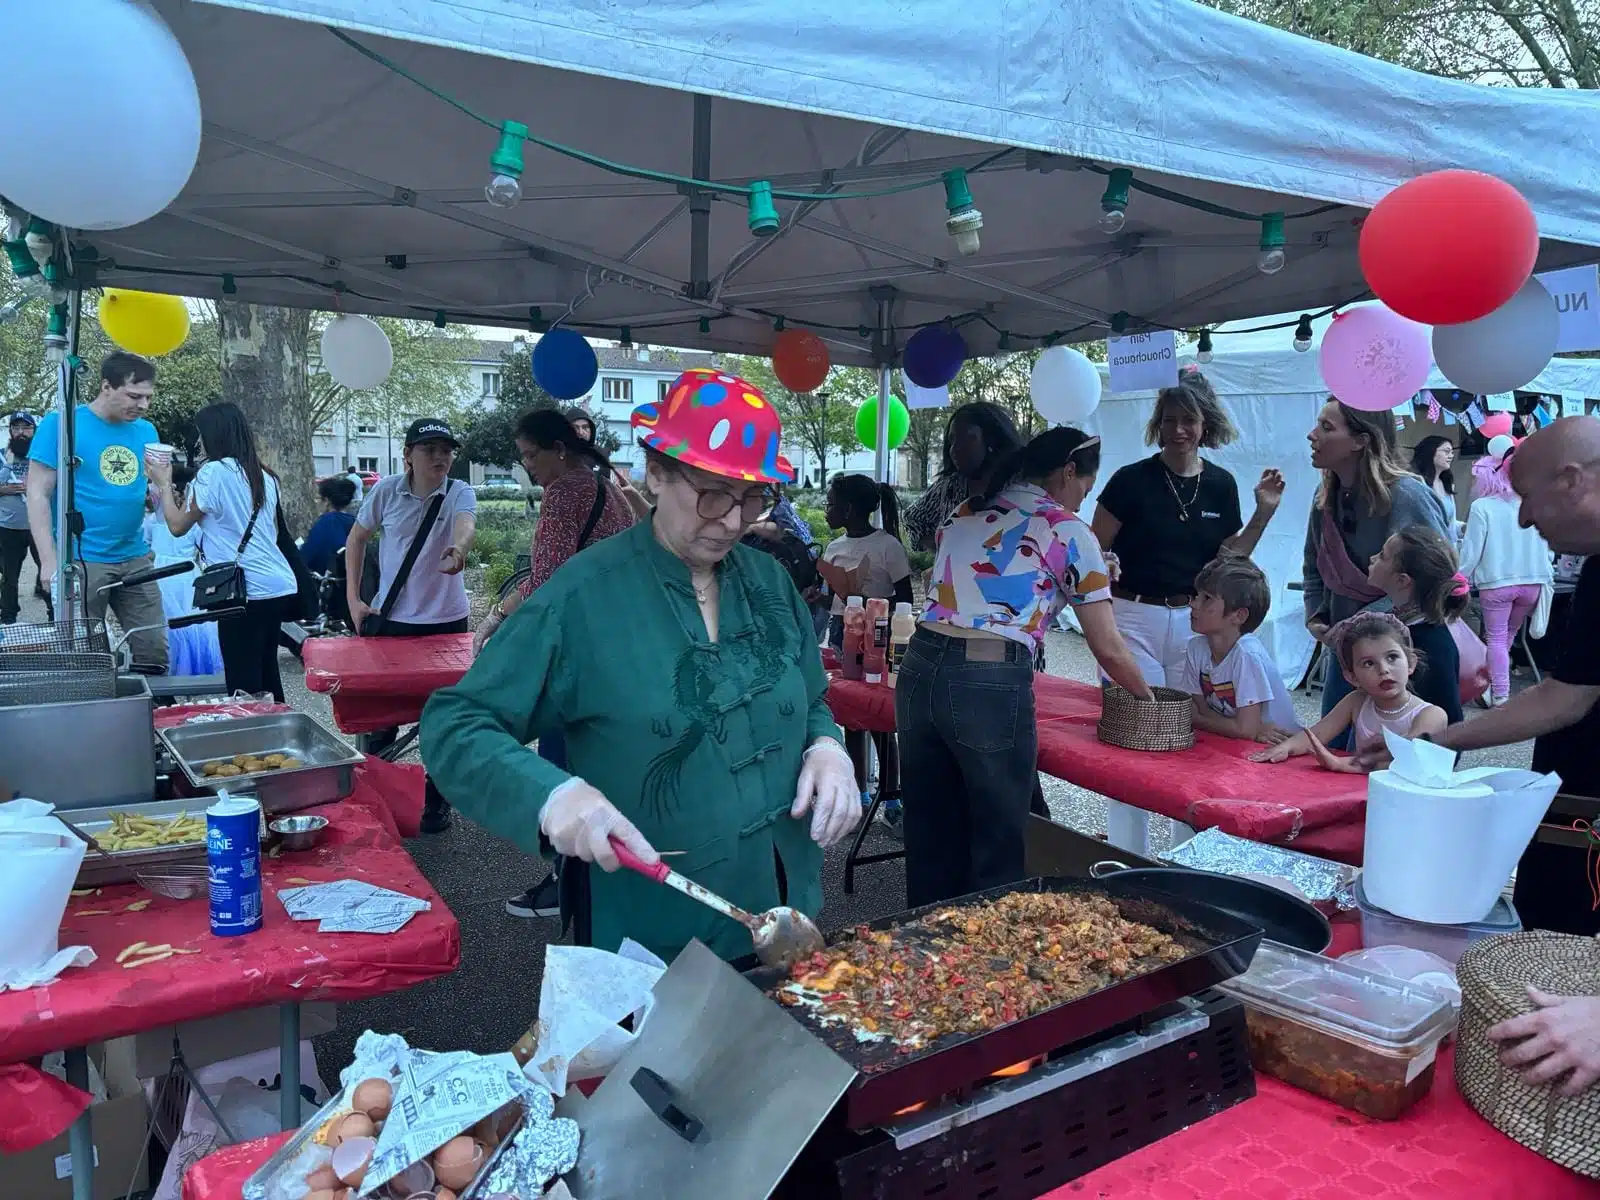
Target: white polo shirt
430,597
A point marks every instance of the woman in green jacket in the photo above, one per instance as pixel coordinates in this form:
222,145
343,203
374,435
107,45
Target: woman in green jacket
685,673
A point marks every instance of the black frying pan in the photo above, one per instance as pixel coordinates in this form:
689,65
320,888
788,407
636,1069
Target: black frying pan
1283,917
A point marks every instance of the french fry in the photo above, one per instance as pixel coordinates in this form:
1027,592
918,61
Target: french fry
130,950
92,912
137,906
147,958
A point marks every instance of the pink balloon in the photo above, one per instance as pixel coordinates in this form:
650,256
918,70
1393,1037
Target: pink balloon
1496,425
1374,359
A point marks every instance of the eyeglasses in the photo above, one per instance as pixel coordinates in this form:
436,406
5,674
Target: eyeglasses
713,504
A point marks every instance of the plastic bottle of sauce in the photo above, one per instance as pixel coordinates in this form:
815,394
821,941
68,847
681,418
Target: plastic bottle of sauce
855,638
875,656
901,626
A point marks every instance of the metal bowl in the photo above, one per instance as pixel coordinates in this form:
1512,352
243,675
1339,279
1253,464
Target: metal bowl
176,882
299,833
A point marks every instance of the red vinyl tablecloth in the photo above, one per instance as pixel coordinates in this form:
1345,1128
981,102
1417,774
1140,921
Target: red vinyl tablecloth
285,961
1211,784
1283,1145
379,683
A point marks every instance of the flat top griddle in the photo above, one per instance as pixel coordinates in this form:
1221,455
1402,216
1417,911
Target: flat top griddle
1220,946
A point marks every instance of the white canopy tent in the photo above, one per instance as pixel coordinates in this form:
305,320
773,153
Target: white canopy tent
341,168
1273,394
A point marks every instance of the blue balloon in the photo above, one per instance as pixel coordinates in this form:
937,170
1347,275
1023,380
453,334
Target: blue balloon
934,355
564,364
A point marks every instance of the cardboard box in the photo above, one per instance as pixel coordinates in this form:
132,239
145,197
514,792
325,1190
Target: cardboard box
216,1039
45,1172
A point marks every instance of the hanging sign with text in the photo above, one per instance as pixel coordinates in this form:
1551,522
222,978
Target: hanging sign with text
1577,295
1143,361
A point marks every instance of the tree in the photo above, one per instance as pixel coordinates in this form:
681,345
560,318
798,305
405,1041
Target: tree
488,434
817,421
1523,43
924,444
265,351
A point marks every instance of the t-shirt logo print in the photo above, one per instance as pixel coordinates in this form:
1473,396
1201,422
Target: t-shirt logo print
118,466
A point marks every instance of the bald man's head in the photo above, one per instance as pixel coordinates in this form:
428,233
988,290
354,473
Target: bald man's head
1557,473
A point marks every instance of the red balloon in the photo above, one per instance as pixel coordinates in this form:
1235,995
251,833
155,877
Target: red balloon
800,360
1449,247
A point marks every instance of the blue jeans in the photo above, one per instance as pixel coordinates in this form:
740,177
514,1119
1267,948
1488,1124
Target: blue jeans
1335,687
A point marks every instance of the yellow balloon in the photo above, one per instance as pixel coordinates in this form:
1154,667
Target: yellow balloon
144,322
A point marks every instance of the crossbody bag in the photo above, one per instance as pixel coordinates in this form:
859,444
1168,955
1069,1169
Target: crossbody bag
222,585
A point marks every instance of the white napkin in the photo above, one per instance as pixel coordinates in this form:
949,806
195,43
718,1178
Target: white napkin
39,860
584,994
1424,764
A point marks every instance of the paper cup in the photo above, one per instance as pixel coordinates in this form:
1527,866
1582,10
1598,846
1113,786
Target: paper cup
159,453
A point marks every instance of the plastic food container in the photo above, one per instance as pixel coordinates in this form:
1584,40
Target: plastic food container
1361,1039
1380,928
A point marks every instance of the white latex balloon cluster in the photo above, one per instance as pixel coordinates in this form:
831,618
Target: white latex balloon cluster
102,125
356,352
1065,386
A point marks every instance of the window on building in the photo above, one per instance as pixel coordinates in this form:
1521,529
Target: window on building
324,431
491,384
617,389
364,428
367,464
663,386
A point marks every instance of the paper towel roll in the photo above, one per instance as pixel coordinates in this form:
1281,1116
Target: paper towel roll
1443,854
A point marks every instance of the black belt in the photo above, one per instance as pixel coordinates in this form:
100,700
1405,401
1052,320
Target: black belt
1179,600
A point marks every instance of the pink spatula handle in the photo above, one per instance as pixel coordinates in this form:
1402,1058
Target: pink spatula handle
657,871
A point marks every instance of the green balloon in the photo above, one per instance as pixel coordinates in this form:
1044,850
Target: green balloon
867,423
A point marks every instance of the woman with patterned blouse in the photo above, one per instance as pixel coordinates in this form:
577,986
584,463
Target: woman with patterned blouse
1007,563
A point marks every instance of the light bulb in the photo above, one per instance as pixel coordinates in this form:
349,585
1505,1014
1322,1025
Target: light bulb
1203,351
503,191
1112,220
1302,334
1302,344
964,226
1270,261
1203,356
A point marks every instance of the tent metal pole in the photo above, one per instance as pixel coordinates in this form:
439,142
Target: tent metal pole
700,203
884,352
68,587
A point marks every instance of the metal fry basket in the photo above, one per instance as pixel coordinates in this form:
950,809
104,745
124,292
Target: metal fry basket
80,635
56,677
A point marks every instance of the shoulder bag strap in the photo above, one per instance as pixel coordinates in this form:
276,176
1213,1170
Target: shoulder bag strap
595,510
428,518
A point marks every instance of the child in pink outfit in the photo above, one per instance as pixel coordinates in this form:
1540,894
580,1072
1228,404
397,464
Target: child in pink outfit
1509,565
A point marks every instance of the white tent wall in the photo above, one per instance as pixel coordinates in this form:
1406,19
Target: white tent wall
1273,396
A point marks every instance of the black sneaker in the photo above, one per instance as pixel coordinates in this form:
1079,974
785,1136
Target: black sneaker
436,818
892,817
541,900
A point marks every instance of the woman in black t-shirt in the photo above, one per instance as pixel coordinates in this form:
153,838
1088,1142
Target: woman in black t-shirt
1167,516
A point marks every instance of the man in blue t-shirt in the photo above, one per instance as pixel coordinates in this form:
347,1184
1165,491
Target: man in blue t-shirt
109,437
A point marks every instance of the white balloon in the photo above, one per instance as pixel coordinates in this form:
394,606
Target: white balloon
102,125
1504,350
1500,445
356,352
1065,386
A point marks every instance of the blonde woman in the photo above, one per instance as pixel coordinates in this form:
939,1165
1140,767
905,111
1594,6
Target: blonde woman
1366,495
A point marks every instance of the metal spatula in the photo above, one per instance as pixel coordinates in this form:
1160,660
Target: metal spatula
783,935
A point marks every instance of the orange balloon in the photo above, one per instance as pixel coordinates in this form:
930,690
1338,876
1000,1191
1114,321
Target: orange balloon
800,360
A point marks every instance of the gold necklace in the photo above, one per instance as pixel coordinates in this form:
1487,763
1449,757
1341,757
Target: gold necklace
702,592
1183,508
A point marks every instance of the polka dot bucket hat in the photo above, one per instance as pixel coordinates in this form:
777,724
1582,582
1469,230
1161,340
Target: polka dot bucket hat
719,423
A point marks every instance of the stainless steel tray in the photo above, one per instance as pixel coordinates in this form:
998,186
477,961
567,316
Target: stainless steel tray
327,773
120,866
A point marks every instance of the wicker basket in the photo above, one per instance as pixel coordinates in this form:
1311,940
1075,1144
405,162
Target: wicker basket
1165,723
1494,975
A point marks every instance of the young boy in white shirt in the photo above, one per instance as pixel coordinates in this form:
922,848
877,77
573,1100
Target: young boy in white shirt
1237,688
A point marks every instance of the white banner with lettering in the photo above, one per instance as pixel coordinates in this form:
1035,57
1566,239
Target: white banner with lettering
1577,295
1143,361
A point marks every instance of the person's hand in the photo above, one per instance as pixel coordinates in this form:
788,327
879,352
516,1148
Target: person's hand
1113,566
453,561
827,789
360,610
485,631
1375,757
1272,754
1271,734
580,823
1318,630
159,473
1328,760
1269,489
812,595
1561,1036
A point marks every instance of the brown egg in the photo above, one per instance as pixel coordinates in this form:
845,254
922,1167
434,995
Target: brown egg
373,1097
443,1193
351,1160
323,1194
457,1161
322,1180
356,1125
